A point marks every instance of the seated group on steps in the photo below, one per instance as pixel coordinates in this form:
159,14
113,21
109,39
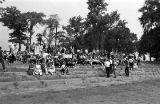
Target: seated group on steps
40,66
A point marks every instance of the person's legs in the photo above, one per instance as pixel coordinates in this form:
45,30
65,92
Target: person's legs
66,71
62,70
114,72
132,66
127,71
107,72
3,65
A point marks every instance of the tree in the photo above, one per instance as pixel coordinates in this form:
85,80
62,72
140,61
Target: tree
97,9
40,39
52,25
100,30
16,21
33,18
74,29
151,26
1,1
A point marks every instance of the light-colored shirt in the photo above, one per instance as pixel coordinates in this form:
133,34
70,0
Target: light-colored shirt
130,60
63,66
107,64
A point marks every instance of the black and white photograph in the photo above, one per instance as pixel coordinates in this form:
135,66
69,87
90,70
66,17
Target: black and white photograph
79,51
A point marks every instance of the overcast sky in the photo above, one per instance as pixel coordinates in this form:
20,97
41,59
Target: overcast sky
66,9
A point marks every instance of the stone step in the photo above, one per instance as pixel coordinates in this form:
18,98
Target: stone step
24,69
71,72
63,84
25,77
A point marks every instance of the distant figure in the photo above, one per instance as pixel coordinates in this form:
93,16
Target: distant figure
131,63
51,68
127,67
64,69
38,69
113,66
31,68
138,61
107,67
1,59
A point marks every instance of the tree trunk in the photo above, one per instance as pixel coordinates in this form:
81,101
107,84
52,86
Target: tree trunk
150,58
19,46
30,38
56,41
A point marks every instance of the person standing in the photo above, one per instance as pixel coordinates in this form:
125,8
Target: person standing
1,59
127,67
131,63
138,60
107,67
113,66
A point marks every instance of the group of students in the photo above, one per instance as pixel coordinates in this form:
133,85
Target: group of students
110,66
44,65
40,66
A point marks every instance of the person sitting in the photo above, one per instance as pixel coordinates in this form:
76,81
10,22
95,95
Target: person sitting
38,69
44,66
64,69
51,68
31,68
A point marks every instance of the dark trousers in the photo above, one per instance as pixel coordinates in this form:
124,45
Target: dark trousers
113,70
2,62
131,66
127,71
108,71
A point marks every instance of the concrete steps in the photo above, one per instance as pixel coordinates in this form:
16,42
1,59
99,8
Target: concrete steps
22,76
19,82
64,84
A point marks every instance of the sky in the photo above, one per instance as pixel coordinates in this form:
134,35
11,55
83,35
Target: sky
66,9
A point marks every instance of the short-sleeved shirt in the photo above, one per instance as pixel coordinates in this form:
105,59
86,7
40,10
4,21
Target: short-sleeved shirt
131,60
107,64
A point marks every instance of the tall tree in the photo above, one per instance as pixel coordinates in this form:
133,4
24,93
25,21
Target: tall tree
33,18
12,18
97,9
150,22
1,1
52,24
75,29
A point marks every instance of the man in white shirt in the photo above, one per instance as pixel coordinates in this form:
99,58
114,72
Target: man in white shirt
107,67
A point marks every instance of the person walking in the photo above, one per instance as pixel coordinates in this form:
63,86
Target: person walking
1,59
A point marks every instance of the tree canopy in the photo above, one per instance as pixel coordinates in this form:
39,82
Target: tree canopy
149,20
12,18
100,30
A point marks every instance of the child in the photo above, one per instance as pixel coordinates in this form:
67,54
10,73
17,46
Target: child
38,69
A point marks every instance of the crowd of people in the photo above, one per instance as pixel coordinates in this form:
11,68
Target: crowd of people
45,62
